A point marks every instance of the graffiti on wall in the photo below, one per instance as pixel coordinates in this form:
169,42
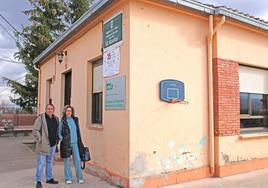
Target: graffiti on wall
176,157
229,158
183,156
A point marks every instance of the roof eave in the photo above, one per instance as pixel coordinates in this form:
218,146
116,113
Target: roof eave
194,6
241,18
189,4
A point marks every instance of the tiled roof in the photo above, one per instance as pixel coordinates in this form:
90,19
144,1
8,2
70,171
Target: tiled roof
232,13
235,11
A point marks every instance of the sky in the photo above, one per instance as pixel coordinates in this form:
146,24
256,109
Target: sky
12,11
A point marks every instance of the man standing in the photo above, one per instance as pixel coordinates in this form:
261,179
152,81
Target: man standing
45,133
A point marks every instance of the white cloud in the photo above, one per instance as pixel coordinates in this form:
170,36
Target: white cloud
6,41
5,93
10,70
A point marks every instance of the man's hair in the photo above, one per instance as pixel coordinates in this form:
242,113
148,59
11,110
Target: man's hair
50,105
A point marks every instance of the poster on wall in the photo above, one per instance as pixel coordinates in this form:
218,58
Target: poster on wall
111,62
115,97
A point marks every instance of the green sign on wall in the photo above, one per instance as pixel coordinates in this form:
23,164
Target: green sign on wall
112,30
115,93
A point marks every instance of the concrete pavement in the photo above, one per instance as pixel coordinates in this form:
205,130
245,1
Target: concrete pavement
25,179
17,169
15,155
255,179
18,162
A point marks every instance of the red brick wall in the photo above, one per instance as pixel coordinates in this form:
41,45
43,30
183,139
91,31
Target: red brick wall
226,97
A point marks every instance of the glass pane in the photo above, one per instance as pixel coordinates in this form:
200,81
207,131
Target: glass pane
249,123
68,88
97,108
100,108
97,79
258,104
244,97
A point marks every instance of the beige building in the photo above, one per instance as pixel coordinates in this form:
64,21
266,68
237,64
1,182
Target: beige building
165,91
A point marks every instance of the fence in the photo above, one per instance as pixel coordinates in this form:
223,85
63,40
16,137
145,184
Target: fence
18,119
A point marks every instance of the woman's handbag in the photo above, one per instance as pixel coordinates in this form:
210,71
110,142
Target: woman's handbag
85,157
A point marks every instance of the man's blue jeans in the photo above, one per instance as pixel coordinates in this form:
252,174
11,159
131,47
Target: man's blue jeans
77,165
41,160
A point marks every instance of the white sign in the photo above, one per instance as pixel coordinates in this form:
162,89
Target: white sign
111,62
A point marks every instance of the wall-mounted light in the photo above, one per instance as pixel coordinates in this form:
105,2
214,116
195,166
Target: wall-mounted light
61,55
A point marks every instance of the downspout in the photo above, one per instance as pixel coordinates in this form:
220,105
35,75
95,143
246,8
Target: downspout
212,31
39,89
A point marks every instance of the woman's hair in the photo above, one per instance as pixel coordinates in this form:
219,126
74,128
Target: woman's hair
65,109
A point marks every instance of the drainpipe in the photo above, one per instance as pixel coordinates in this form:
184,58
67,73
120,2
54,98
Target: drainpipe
212,31
39,88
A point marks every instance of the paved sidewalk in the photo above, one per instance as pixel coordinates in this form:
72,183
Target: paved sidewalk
18,162
25,179
15,155
255,179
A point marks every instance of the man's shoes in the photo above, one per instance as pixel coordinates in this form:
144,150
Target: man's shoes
38,184
52,181
68,181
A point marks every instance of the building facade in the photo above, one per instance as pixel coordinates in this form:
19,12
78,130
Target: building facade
109,66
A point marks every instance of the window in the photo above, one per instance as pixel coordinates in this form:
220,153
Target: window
253,112
67,88
253,99
49,92
97,88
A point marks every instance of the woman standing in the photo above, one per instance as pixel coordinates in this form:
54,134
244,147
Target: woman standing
71,144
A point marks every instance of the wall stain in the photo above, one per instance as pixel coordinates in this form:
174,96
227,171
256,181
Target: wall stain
138,166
